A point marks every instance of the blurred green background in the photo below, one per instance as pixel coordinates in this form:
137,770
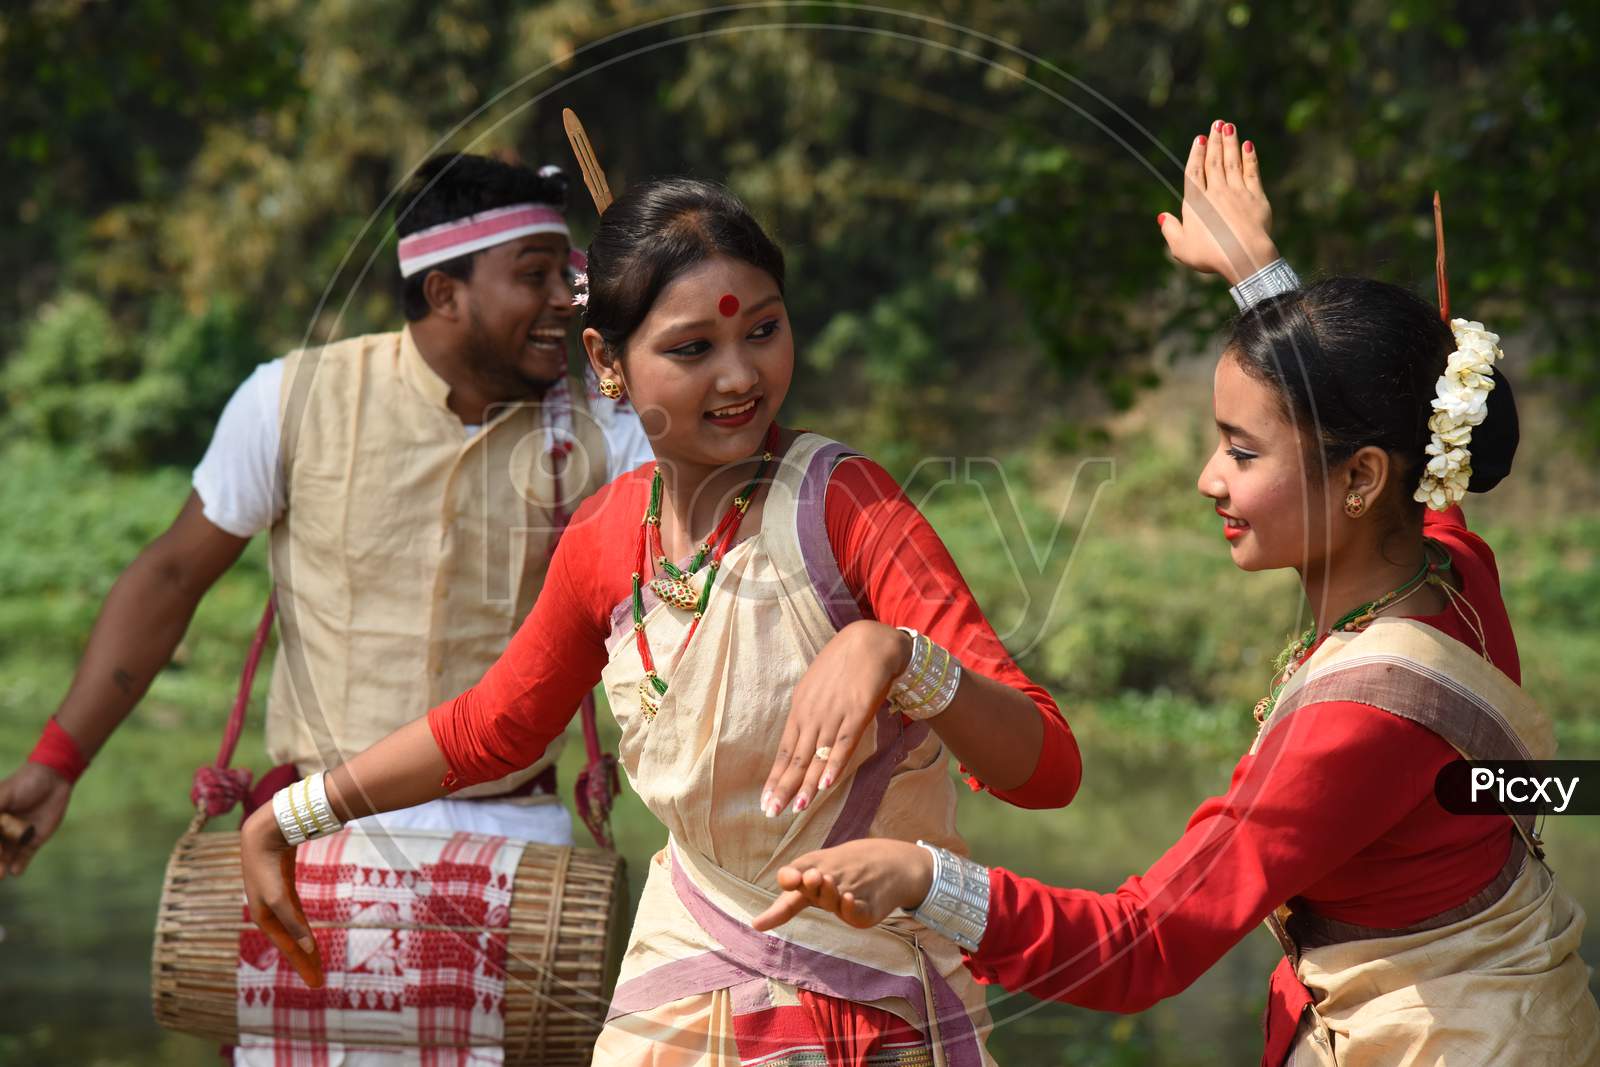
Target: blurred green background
966,191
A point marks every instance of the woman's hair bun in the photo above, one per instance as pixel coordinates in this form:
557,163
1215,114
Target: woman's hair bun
1494,441
1357,362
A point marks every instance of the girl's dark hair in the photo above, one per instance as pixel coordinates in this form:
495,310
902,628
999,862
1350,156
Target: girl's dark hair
454,185
654,232
1355,362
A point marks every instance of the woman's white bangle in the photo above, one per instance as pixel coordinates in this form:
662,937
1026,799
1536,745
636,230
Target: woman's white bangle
303,811
929,683
957,904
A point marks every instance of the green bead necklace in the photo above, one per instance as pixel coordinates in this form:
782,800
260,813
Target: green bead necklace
673,586
1295,652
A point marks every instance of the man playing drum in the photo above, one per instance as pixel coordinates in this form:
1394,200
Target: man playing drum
412,484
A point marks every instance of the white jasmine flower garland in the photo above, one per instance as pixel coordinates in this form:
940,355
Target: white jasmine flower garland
1461,402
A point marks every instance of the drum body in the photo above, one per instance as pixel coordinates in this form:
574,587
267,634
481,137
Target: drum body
565,935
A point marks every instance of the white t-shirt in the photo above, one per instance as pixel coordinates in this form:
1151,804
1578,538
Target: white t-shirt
238,478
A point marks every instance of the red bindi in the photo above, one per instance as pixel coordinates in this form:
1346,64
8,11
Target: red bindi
728,305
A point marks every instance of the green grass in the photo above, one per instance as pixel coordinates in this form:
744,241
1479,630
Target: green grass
1153,643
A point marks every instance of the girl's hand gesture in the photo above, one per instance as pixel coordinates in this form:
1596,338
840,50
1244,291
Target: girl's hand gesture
268,862
1226,227
861,882
836,701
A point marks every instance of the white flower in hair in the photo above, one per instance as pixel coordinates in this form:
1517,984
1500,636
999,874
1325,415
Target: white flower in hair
1461,401
1448,461
1467,368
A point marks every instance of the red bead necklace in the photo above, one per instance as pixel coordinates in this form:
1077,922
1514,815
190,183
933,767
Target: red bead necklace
673,586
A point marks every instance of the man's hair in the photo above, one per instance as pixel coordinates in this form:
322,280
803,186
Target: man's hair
454,185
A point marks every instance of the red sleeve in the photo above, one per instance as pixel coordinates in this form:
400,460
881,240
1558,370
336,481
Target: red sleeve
1326,783
523,702
900,573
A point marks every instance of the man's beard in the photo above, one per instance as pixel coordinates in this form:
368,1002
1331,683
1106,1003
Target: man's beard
503,377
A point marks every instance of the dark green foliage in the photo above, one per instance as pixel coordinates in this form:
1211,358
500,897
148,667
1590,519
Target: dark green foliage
967,189
80,378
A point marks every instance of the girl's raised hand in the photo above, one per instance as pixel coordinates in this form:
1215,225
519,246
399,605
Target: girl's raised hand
861,882
1226,226
836,701
268,862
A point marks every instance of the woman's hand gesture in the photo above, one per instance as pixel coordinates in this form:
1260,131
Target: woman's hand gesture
268,862
861,882
835,702
1226,227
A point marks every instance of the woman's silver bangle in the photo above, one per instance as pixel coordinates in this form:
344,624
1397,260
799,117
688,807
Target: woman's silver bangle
1275,278
957,904
929,683
303,811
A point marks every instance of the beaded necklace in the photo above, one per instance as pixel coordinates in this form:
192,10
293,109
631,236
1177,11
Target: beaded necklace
1294,654
673,586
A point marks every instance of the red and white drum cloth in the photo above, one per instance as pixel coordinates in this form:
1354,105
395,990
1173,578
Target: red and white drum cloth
395,976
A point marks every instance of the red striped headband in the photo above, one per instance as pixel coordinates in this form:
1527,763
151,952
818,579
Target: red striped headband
436,244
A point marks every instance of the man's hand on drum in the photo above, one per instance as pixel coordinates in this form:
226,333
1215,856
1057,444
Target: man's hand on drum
1226,225
836,701
268,862
861,882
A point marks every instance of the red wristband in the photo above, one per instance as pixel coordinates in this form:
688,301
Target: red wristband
58,751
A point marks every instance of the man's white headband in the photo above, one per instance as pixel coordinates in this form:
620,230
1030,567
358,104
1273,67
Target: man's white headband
436,244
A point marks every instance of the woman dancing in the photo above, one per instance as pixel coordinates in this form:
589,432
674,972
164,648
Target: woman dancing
793,681
1350,421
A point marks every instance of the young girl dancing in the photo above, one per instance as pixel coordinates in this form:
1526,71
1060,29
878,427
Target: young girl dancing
790,652
1350,420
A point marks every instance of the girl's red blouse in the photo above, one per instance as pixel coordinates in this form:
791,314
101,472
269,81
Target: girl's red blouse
893,563
1345,819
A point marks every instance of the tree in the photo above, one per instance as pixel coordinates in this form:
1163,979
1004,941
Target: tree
960,212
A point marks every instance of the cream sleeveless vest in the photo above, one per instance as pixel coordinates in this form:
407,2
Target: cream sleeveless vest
409,553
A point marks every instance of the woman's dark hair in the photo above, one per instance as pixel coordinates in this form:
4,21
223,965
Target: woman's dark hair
452,186
1355,362
653,233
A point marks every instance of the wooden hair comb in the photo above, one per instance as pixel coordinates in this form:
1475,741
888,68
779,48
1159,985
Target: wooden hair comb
588,164
1438,262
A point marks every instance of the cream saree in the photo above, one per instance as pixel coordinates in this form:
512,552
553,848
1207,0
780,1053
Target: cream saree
693,964
1496,980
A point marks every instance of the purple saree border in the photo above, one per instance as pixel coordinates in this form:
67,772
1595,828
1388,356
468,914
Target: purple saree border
679,979
871,780
895,740
811,531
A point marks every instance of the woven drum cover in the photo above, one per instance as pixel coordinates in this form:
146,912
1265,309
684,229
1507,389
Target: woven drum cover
564,945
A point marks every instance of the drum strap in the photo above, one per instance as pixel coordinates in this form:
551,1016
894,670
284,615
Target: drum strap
218,787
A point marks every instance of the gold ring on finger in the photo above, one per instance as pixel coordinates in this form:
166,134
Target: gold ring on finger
822,752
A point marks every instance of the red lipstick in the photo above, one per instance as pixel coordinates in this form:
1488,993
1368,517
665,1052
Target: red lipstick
1229,530
743,418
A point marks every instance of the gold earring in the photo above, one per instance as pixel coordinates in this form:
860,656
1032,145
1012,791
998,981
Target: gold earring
610,388
1354,505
